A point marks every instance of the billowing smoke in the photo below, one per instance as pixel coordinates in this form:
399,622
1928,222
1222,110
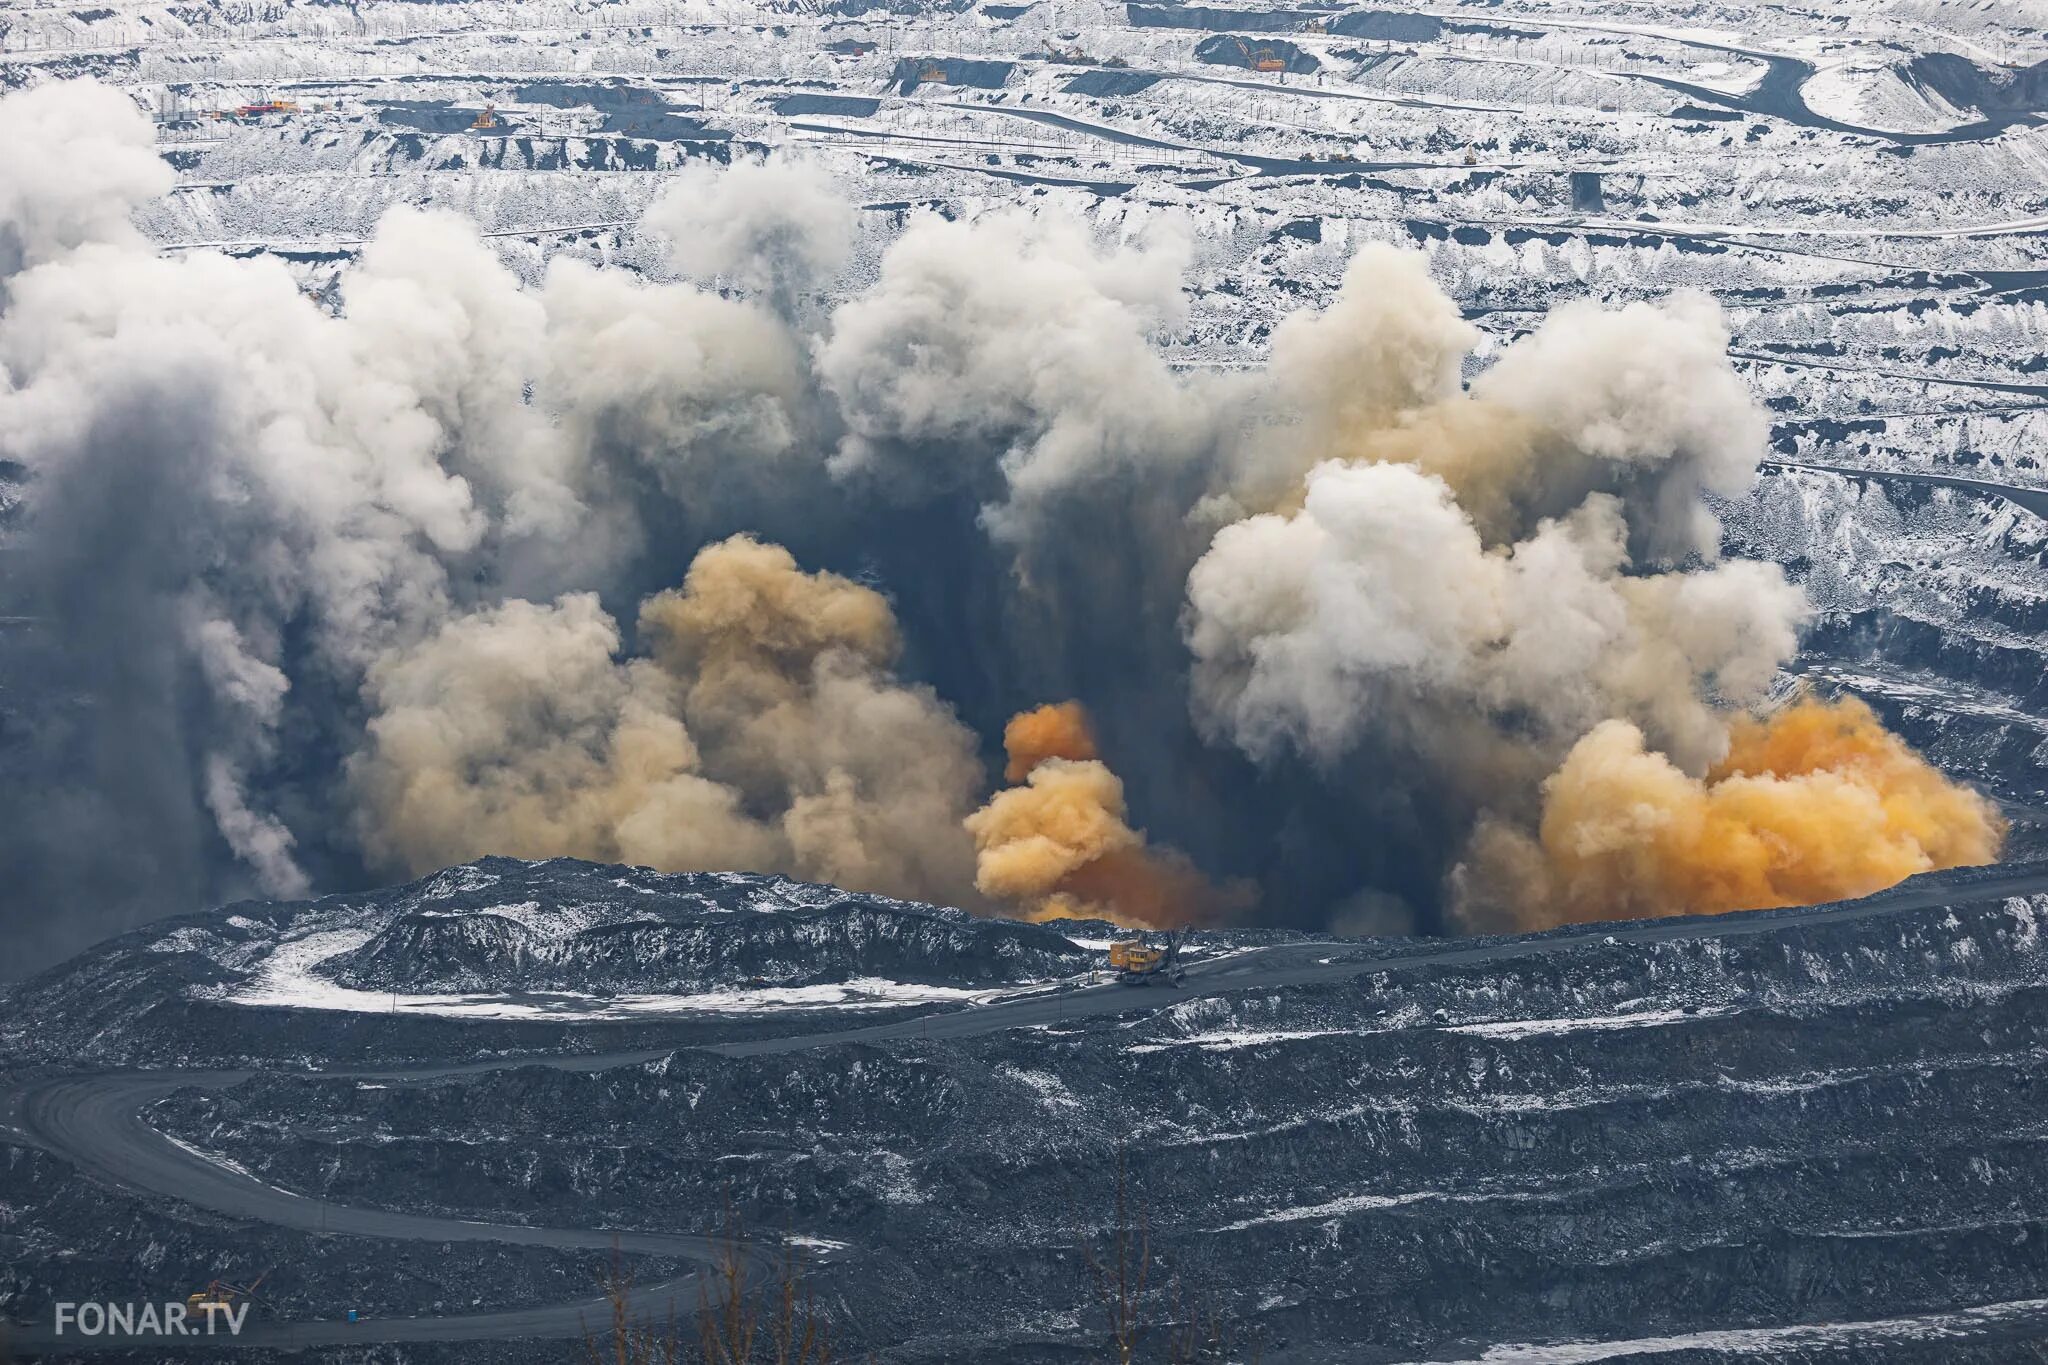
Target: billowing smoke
1377,605
1638,402
1490,580
238,501
75,162
1814,802
1060,846
762,731
1010,357
775,227
328,590
1057,729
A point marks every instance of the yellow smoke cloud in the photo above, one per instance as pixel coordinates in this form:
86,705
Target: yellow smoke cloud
765,732
1061,845
1814,802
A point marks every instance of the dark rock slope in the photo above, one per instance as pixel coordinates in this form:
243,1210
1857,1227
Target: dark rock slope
1810,1125
562,939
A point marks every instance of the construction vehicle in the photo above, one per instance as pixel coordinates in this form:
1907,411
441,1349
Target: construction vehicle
488,118
262,107
1136,962
219,1294
1268,60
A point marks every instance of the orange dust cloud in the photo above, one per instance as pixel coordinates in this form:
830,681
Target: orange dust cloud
1060,845
1814,802
1056,730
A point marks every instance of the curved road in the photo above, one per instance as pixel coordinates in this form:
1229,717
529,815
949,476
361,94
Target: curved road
1780,95
96,1121
2034,500
1781,92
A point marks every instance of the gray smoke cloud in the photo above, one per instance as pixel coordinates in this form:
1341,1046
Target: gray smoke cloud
260,499
331,595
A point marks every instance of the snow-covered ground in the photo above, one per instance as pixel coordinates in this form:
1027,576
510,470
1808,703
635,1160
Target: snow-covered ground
1765,1343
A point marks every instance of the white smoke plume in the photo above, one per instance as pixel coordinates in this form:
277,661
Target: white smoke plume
777,227
1011,356
701,392
1308,627
1457,553
1638,401
76,161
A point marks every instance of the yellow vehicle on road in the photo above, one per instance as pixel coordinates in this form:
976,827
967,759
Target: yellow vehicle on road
1137,962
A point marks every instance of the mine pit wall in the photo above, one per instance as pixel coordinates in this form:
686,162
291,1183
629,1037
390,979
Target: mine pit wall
1941,621
1813,1122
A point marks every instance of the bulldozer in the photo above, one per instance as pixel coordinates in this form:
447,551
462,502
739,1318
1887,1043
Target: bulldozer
1137,962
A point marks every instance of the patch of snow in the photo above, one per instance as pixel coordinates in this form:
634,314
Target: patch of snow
190,939
1752,1341
457,880
286,976
286,979
1336,1208
891,1182
225,1163
1226,1040
1052,1091
557,924
1529,1028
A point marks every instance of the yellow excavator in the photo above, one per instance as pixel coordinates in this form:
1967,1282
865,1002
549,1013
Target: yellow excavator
219,1294
1138,962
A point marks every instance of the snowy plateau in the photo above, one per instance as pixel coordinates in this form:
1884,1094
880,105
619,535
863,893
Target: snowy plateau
1812,1135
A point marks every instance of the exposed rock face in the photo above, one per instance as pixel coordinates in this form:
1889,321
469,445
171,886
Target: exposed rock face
1932,606
489,939
1734,1127
689,932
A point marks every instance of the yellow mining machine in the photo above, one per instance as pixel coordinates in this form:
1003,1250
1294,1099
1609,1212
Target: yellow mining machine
1137,962
219,1294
